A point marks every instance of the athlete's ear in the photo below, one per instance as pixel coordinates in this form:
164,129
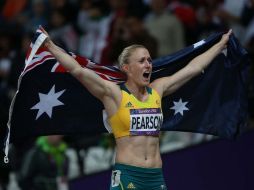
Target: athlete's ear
125,68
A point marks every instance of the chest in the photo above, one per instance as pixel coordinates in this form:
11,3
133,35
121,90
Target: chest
141,118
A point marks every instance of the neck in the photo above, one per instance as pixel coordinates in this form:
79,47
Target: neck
139,92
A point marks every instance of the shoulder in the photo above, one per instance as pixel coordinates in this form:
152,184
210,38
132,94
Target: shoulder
157,87
115,88
113,99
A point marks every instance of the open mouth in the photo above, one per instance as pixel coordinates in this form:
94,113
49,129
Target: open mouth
146,75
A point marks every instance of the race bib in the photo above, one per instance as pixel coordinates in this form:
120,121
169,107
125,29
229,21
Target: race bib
146,121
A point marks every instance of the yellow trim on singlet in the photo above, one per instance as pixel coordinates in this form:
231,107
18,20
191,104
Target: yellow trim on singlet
120,121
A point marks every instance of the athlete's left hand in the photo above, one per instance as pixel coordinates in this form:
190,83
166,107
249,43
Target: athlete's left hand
224,40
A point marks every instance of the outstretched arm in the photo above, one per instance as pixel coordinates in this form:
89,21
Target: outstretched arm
95,84
168,85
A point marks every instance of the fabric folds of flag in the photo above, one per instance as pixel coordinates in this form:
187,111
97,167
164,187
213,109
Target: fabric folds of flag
50,101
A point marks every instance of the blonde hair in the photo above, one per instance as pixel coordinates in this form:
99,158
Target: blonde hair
126,53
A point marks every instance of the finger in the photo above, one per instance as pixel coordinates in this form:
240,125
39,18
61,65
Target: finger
43,30
230,32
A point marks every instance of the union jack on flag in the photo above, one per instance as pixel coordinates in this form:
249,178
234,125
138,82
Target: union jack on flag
37,55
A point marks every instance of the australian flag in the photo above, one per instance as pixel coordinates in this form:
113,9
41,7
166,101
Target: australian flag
50,101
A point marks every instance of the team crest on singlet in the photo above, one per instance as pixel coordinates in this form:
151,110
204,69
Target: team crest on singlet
145,121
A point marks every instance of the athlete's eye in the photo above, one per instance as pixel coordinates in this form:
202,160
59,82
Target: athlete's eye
142,60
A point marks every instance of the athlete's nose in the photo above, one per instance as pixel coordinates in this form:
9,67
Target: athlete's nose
148,63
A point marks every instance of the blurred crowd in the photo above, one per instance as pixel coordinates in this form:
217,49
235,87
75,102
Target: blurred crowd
99,30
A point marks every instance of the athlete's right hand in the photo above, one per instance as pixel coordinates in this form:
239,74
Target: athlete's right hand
43,30
48,41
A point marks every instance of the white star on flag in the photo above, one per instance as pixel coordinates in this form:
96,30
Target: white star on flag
47,102
179,107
